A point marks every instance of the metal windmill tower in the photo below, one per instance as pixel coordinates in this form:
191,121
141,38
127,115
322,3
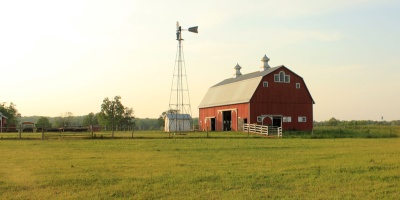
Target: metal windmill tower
179,101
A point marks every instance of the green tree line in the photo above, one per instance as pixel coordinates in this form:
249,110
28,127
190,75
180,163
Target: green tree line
86,120
336,122
112,114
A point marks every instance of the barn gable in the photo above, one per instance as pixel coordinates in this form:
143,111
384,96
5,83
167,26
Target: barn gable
284,68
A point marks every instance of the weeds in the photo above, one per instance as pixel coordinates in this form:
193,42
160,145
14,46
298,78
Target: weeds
324,132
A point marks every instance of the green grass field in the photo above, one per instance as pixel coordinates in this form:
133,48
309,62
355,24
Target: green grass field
226,165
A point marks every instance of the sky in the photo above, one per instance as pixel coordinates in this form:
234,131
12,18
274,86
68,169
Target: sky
67,56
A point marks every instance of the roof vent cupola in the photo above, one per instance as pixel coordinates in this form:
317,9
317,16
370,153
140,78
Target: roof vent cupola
265,65
237,68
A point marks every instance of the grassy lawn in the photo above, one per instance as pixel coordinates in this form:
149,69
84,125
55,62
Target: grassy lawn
225,166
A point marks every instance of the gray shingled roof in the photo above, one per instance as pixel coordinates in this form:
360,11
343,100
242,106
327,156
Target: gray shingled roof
234,90
247,76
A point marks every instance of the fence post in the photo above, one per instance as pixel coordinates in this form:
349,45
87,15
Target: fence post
248,131
207,129
42,132
20,130
91,130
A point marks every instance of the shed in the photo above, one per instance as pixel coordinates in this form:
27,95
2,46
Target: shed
27,126
177,122
3,121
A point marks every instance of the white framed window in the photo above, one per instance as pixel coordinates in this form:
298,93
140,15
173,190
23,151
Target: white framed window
298,85
259,119
287,119
265,84
287,79
282,77
276,77
302,119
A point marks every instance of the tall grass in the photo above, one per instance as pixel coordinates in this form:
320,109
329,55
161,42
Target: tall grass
372,131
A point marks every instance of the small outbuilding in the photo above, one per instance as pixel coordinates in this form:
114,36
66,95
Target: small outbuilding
272,96
27,126
3,121
177,122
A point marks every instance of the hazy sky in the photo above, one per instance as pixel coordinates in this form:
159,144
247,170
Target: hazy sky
67,56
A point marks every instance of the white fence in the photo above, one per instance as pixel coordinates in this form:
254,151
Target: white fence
279,131
263,130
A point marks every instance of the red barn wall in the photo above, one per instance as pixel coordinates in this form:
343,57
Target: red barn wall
283,99
238,110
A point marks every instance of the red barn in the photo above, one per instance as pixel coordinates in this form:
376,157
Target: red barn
271,96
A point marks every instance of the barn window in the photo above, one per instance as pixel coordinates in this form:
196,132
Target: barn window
302,119
287,119
298,85
282,77
276,77
265,83
287,79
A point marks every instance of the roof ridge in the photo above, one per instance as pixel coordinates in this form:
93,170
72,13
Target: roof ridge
248,76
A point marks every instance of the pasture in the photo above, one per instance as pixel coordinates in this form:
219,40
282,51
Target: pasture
227,165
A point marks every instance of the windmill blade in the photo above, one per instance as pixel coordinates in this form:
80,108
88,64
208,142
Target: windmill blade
193,29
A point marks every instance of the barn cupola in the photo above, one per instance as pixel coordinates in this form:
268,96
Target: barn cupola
237,68
265,65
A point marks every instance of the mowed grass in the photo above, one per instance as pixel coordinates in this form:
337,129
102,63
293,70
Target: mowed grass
224,166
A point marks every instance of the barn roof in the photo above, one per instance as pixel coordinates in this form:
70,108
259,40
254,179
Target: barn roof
27,123
248,76
234,90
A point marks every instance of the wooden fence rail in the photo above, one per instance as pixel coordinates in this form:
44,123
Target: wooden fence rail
263,130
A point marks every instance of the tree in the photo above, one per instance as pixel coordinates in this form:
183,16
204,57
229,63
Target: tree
90,120
147,124
128,119
160,121
333,122
112,112
43,121
64,120
161,118
10,112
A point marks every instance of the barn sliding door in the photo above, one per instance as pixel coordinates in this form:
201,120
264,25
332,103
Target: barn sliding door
227,120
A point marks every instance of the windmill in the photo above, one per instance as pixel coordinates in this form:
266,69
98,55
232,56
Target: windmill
178,117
